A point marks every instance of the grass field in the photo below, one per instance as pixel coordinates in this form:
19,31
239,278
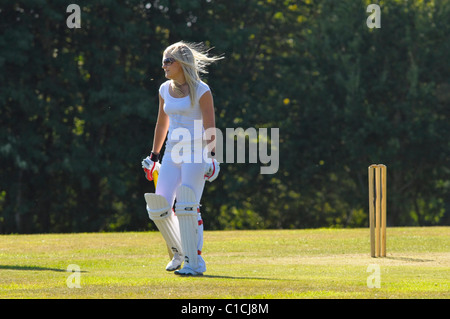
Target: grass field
319,263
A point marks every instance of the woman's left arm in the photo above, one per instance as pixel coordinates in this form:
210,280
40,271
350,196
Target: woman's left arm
209,122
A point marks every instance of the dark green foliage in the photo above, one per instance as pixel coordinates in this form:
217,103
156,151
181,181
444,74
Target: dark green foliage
78,109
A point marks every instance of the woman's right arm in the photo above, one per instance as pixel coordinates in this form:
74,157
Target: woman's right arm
161,128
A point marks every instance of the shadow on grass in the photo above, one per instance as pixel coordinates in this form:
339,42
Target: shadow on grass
39,268
410,259
241,278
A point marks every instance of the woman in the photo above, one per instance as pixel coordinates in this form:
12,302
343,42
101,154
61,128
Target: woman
183,100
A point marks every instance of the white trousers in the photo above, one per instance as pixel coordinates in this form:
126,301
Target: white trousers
173,174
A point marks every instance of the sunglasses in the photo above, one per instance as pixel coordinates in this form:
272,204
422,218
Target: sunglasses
168,61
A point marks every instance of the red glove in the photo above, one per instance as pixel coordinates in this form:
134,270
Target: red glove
150,164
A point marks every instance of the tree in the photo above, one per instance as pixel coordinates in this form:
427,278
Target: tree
78,108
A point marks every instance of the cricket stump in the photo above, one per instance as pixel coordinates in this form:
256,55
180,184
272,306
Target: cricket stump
377,209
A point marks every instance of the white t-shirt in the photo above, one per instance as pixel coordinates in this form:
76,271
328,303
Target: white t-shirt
182,114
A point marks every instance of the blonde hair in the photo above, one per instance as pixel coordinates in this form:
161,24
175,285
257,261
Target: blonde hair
193,58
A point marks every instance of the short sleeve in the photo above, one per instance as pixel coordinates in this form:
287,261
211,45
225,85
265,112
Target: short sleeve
163,89
202,89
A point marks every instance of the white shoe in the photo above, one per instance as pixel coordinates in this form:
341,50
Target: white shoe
201,264
187,271
175,263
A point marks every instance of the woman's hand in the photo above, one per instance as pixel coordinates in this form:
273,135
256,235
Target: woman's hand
150,164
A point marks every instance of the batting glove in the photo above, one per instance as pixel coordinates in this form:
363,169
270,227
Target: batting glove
150,164
212,170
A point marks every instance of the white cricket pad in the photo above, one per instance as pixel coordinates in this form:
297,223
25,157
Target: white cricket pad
186,210
161,214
